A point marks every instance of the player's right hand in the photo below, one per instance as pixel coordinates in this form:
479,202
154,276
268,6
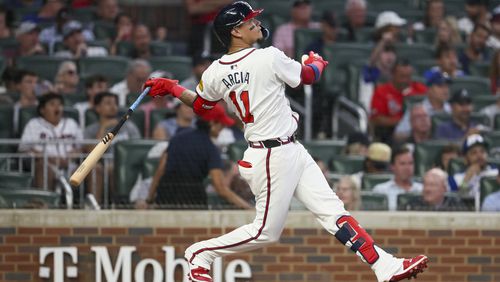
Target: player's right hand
160,86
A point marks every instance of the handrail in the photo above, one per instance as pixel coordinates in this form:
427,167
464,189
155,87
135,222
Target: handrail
353,108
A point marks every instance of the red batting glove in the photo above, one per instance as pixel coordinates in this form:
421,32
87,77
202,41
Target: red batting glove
164,86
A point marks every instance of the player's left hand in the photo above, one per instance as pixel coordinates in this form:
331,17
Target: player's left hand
313,58
160,86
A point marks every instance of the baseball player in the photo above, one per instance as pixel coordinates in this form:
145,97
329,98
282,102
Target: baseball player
276,166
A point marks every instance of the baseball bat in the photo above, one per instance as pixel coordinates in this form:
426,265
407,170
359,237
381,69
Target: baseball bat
91,160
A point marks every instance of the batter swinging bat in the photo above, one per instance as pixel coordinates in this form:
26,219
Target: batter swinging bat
96,154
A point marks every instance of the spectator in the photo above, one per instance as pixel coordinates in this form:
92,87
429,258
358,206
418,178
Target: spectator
124,27
436,101
350,194
355,14
460,124
137,73
448,152
402,166
161,33
200,64
492,202
476,13
93,85
47,13
388,26
189,158
107,10
328,35
495,73
141,40
167,128
434,196
474,149
379,69
387,101
53,34
74,43
301,13
420,124
447,33
376,161
6,17
434,14
67,79
447,62
494,39
25,82
492,110
50,125
8,78
202,14
106,107
357,144
27,37
476,49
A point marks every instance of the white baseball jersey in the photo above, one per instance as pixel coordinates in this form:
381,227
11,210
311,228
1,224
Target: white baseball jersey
38,129
252,82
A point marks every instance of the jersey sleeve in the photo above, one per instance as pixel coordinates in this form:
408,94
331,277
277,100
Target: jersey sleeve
286,69
205,88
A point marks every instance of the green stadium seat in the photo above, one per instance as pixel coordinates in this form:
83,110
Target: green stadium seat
421,66
444,117
129,157
493,138
236,150
149,168
161,48
8,46
84,14
374,201
113,67
180,66
415,52
104,30
325,150
370,180
365,34
481,69
6,121
475,85
488,186
279,8
456,165
302,38
21,198
137,118
405,199
410,101
44,66
426,36
15,180
3,64
158,115
497,122
426,155
26,114
346,164
71,100
482,101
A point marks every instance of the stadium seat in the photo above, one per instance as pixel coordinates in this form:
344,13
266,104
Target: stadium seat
71,100
426,155
415,52
158,115
482,101
113,67
236,150
6,122
3,63
497,122
456,165
493,138
137,118
84,14
44,66
480,69
476,117
404,200
346,164
104,30
149,168
370,180
325,150
26,114
8,46
365,34
302,38
278,7
488,185
15,179
129,157
180,66
475,85
426,36
374,201
161,48
421,66
23,198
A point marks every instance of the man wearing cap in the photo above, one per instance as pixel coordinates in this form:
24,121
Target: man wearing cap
435,102
460,124
477,12
387,102
402,166
300,18
474,149
27,36
376,161
190,157
492,202
74,43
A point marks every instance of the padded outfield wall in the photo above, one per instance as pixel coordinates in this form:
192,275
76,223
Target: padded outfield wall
148,246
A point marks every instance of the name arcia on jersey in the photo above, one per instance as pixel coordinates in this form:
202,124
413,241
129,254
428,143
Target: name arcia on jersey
236,78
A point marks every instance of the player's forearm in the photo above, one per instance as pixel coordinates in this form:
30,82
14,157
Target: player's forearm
187,97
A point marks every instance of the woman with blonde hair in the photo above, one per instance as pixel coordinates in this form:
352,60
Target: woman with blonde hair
67,78
447,33
347,190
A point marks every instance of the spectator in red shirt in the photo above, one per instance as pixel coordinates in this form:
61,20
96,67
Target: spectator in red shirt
387,103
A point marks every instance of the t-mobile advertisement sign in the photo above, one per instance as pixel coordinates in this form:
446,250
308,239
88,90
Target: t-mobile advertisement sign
106,271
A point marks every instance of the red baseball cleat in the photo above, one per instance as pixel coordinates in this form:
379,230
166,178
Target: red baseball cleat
411,267
198,274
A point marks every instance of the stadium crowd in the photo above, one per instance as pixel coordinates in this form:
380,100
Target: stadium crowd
426,73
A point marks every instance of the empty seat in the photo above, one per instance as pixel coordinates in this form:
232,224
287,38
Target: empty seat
347,164
302,38
481,69
370,180
180,66
482,101
6,122
44,66
374,201
405,199
426,36
15,179
30,198
113,67
426,155
415,52
325,150
475,85
421,66
104,30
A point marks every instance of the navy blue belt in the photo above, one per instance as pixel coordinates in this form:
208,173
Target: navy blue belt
271,143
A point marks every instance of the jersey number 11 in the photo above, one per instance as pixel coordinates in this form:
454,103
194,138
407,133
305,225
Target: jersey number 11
247,117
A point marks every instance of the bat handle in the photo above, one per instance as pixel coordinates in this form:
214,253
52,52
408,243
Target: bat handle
139,99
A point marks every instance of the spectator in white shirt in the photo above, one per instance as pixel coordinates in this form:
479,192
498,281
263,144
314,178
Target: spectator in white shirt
492,202
137,73
402,166
93,85
476,12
